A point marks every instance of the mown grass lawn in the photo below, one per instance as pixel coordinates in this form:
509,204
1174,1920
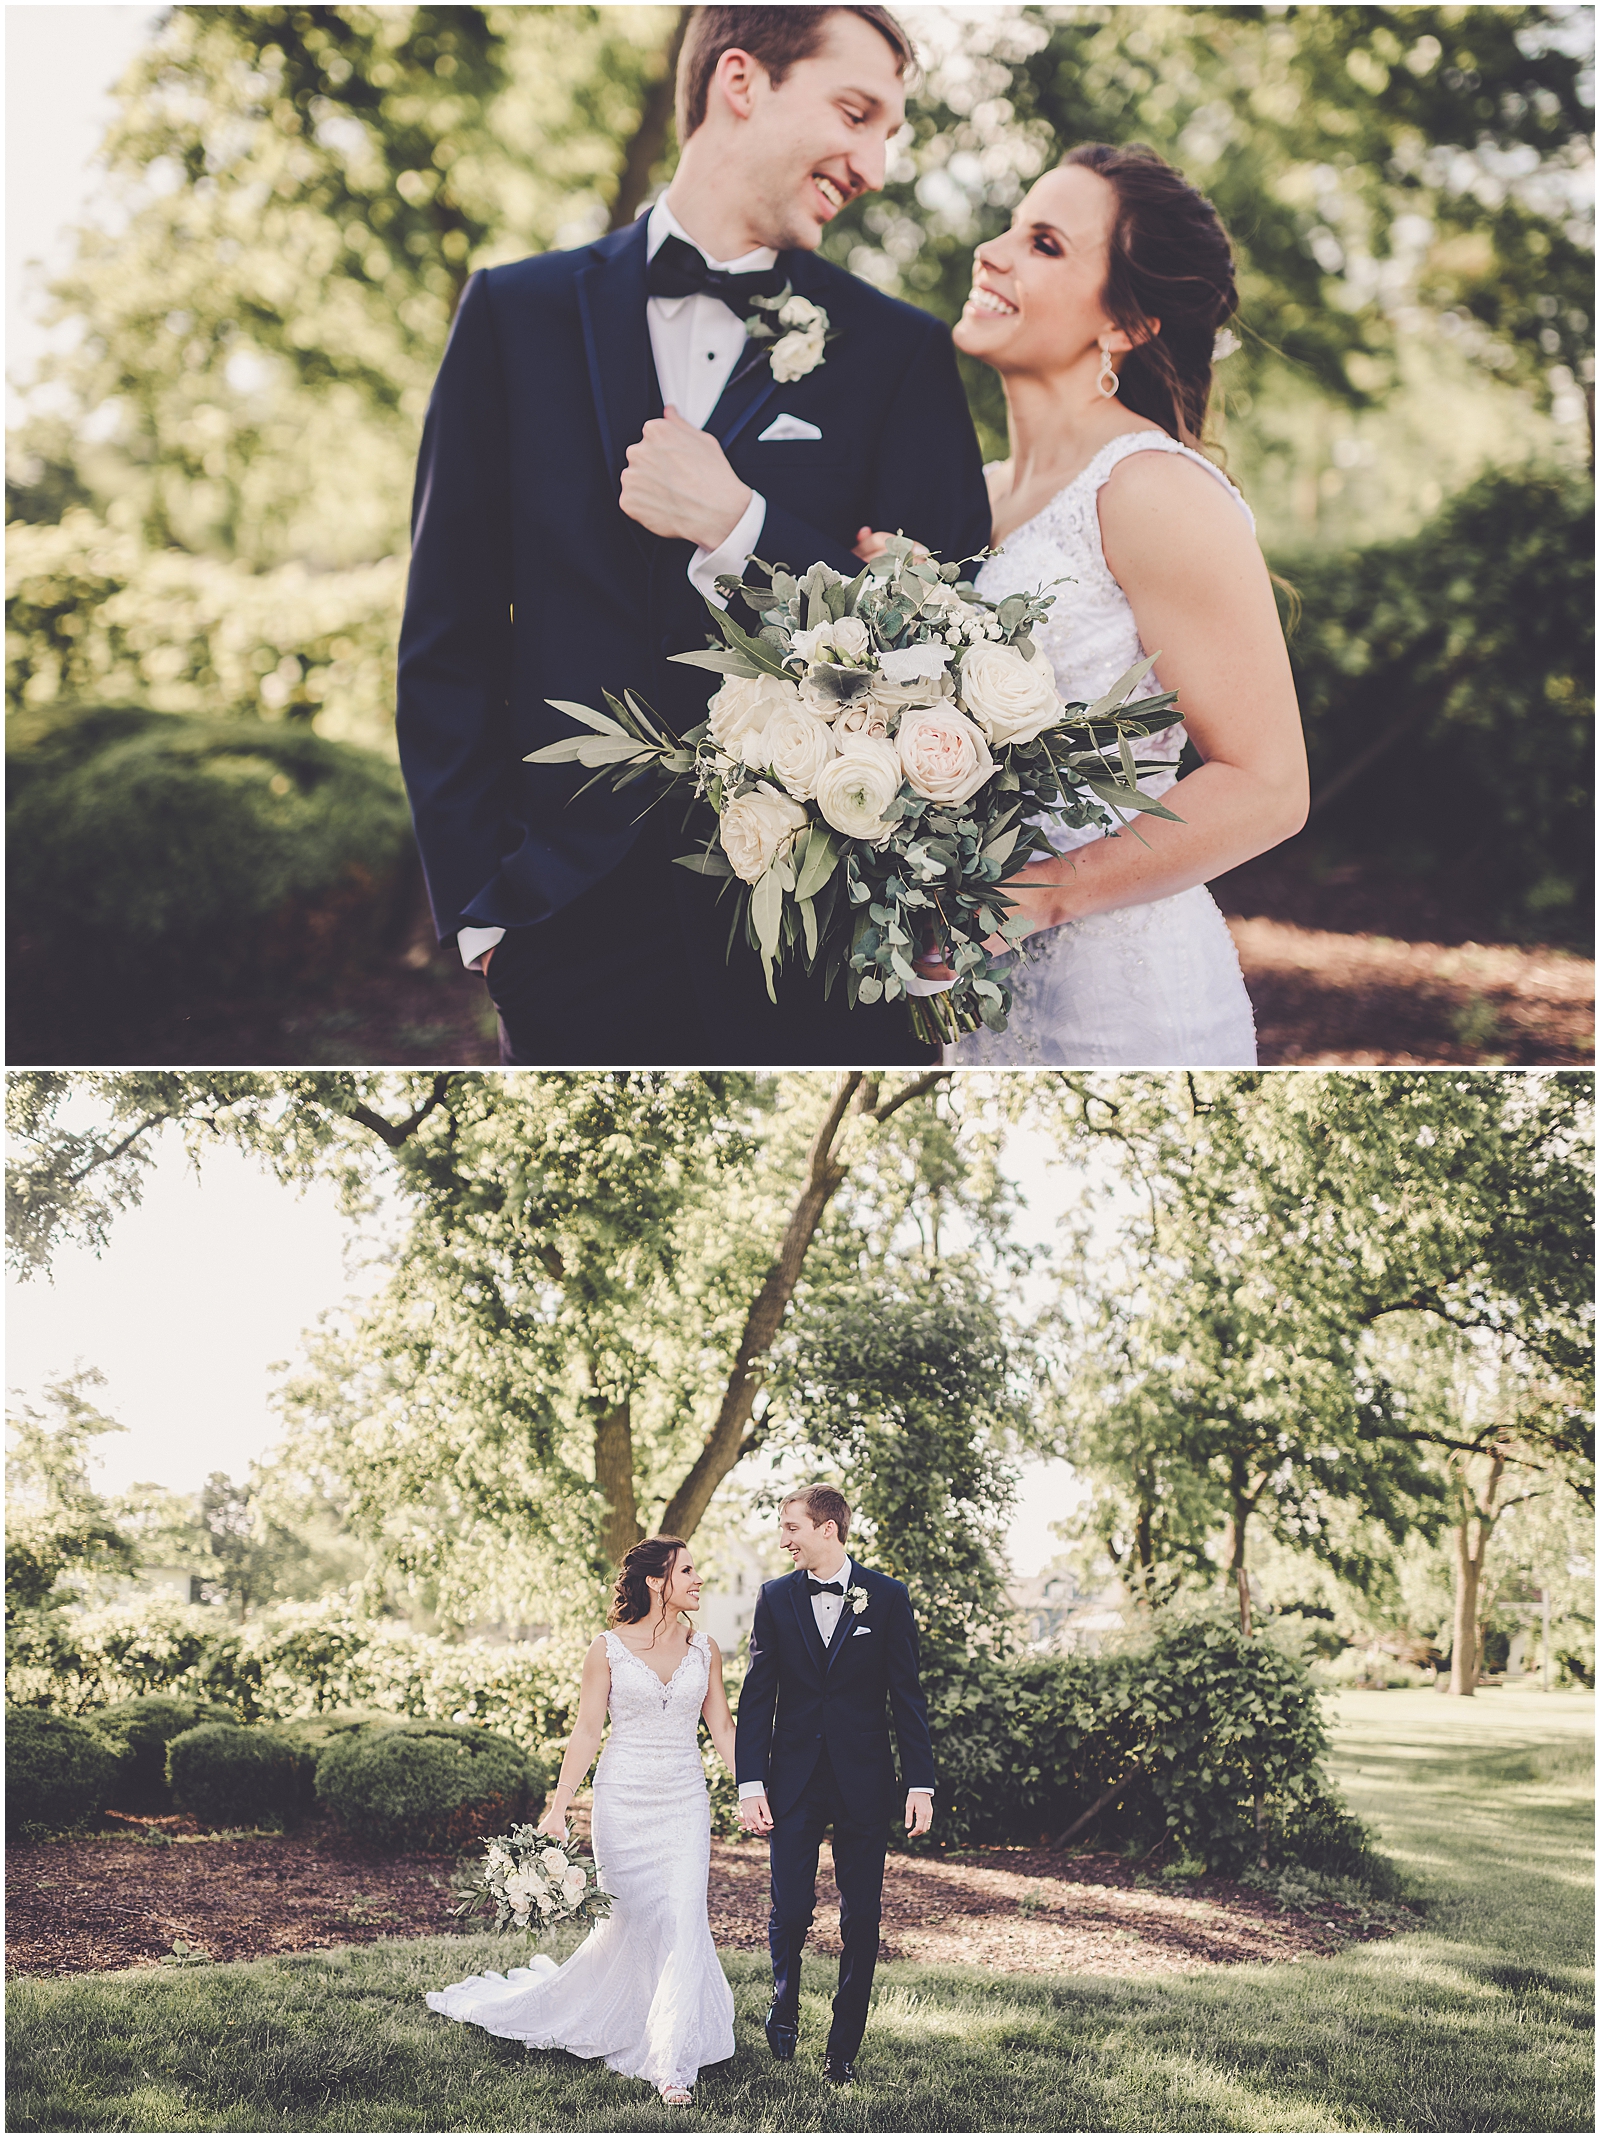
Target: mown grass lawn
1479,2020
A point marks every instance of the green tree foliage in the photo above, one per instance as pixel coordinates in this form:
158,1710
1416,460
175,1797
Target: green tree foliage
1467,654
1285,1217
59,1530
309,189
1377,166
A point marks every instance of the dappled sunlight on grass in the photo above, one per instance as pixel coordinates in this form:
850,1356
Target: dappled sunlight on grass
1481,2019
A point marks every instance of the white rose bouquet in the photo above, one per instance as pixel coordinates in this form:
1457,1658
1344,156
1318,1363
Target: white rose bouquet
533,1883
881,756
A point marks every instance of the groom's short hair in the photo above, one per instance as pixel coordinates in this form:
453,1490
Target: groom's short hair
823,1504
779,37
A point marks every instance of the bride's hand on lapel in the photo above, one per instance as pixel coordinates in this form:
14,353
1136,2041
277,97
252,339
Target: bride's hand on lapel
678,484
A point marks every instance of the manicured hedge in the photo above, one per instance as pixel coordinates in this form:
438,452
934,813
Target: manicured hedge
59,1772
224,1775
148,850
426,1786
1460,665
142,1730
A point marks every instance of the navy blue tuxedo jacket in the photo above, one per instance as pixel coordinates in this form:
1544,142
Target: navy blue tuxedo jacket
528,581
798,1696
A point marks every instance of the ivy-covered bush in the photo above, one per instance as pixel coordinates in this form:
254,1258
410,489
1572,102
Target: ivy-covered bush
147,849
59,1772
1460,665
433,1787
1198,1725
141,1730
224,1775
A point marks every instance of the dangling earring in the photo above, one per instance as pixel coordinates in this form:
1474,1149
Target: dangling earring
1108,382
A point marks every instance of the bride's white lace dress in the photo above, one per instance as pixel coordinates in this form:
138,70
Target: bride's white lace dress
645,1990
1154,985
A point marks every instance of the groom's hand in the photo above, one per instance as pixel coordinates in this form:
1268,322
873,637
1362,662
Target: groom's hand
919,1811
679,485
755,1815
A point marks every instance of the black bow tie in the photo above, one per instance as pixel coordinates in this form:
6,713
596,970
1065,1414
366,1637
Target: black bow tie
823,1588
681,270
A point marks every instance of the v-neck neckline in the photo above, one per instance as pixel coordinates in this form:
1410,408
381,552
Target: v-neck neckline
666,1684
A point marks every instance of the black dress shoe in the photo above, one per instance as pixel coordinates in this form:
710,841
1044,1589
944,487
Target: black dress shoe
783,2037
838,2070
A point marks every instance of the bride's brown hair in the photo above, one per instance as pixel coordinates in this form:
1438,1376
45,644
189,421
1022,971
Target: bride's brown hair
649,1560
1170,261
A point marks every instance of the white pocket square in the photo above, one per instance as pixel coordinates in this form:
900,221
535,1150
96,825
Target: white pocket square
860,1630
784,427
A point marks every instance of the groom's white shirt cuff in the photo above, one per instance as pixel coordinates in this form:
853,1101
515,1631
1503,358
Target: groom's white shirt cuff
731,555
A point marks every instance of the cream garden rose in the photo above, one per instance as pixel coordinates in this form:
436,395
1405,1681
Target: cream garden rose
793,355
757,828
741,710
1011,698
866,718
798,744
857,786
942,753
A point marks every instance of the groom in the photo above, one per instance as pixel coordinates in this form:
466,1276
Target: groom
832,1649
602,442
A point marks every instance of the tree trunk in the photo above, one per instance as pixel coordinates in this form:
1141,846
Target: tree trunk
725,1443
1473,1531
1236,1532
650,135
613,1473
728,1439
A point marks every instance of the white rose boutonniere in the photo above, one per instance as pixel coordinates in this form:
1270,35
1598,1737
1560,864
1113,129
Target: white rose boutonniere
856,1598
799,350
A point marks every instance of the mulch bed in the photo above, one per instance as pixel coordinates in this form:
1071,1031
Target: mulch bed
115,1899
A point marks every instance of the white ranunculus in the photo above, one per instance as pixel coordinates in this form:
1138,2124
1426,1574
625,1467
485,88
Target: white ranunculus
741,709
915,664
797,353
942,753
799,312
851,638
797,744
857,786
1011,698
756,829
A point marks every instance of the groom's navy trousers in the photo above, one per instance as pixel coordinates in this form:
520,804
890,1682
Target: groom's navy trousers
528,583
813,1728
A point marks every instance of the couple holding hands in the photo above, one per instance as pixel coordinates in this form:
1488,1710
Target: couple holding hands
833,1651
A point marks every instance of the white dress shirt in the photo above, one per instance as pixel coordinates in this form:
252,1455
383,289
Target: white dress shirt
696,342
825,1609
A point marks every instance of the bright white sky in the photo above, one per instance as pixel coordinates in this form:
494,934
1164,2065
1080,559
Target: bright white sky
211,1281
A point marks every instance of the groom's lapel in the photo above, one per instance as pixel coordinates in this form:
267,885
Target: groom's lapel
616,340
750,383
807,1618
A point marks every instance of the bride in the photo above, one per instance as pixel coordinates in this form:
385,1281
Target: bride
645,1990
1100,308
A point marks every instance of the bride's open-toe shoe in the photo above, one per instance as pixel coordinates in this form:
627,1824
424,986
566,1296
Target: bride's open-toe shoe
677,2096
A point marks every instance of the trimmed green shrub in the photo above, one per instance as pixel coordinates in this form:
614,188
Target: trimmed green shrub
142,1730
59,1772
1456,671
224,1775
147,849
1176,1738
428,1786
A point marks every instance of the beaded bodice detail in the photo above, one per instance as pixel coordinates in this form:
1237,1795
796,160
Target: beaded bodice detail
1090,637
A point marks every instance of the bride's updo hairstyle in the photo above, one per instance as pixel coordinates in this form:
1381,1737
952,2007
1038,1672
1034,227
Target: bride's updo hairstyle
649,1560
1171,261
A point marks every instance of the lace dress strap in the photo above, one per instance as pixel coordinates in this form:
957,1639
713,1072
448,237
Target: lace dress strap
1113,454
